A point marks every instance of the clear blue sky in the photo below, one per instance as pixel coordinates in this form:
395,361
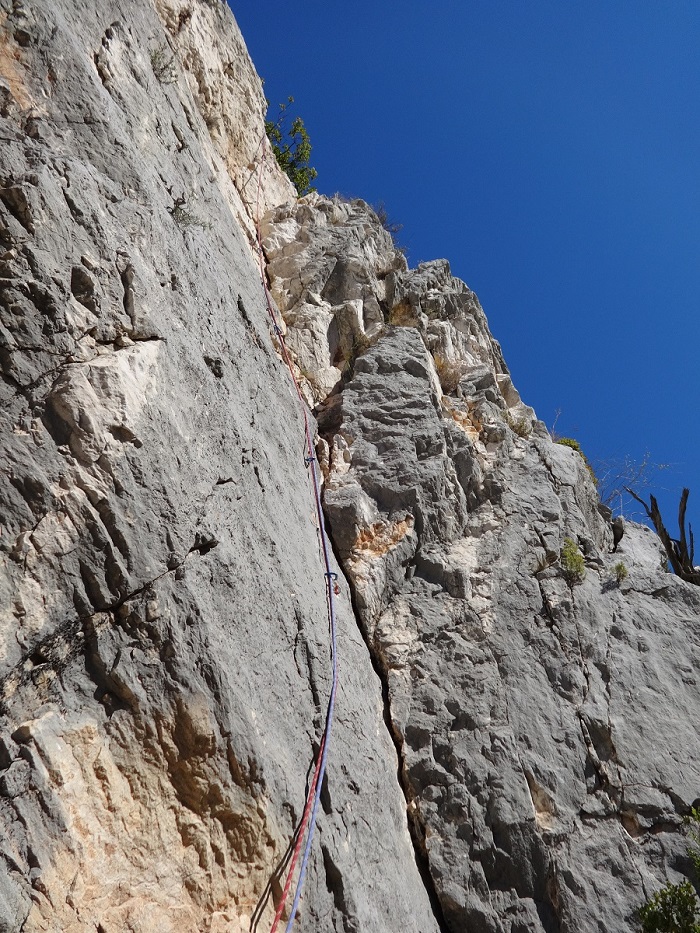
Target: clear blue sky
550,150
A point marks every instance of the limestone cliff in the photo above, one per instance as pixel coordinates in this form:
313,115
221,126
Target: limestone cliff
514,751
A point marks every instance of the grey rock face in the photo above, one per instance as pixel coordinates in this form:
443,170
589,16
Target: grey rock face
332,308
163,640
164,661
544,721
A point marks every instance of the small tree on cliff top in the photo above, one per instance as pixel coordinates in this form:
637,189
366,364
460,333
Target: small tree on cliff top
292,149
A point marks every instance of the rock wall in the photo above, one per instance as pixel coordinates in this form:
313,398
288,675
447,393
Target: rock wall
514,751
164,647
544,724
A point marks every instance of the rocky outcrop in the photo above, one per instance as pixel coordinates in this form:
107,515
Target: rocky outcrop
164,655
544,722
514,747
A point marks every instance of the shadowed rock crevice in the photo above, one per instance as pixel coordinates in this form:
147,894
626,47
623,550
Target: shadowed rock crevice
50,656
415,829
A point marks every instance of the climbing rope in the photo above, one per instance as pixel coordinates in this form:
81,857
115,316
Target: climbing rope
314,793
300,836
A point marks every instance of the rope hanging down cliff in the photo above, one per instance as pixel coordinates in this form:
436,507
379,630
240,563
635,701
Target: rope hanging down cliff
314,794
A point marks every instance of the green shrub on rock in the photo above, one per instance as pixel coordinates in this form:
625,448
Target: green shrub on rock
570,442
572,563
574,445
673,909
163,65
620,571
292,149
519,426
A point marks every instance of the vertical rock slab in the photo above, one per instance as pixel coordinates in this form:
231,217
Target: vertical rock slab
544,716
164,661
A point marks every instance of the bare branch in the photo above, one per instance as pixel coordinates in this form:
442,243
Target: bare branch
679,556
681,520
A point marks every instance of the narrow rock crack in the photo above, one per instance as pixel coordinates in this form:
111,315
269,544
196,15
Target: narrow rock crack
420,855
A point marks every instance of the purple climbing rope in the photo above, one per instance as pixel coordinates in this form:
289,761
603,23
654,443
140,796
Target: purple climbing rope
330,580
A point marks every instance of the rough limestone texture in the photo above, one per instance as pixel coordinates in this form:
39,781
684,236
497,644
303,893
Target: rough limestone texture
164,662
546,724
514,748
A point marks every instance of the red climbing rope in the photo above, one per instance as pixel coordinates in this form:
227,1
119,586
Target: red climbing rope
300,838
314,794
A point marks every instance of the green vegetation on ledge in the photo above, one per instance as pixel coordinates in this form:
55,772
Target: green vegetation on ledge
292,149
674,909
574,445
572,563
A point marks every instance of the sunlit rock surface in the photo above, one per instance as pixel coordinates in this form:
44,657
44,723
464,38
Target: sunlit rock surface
163,641
512,752
546,730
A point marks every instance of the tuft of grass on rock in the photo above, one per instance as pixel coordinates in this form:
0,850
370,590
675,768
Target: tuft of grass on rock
572,563
449,372
519,426
620,572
